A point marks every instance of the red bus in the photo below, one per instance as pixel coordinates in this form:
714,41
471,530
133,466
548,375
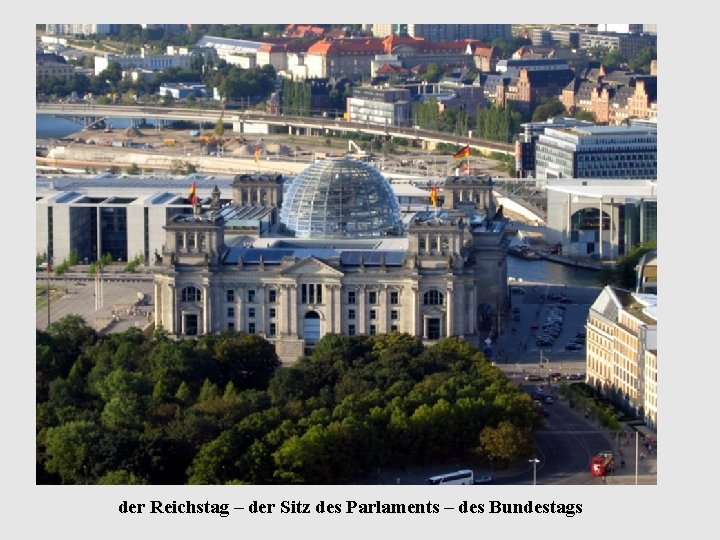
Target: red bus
601,464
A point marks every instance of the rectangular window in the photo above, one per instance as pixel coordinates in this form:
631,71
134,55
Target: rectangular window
231,312
251,328
272,313
394,298
351,297
373,314
394,315
231,326
230,295
303,294
272,296
372,297
393,327
351,314
251,313
373,330
273,329
251,296
318,293
351,330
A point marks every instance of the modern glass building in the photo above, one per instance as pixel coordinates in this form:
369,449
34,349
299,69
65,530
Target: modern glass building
597,152
341,198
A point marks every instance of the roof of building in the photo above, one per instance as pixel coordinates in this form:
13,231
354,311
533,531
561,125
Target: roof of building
340,197
604,188
612,300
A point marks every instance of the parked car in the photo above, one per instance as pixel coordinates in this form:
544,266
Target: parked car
535,378
517,290
573,347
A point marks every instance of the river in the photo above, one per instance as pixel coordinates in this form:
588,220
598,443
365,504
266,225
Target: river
544,271
55,127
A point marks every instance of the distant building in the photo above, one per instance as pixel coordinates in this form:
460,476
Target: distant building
450,32
621,28
522,84
525,145
154,62
53,66
621,335
612,96
548,36
602,219
380,105
183,90
597,152
80,29
628,45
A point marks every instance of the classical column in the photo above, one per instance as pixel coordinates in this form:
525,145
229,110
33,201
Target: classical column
362,315
383,312
158,304
337,303
416,312
206,310
240,315
285,309
293,311
172,327
263,310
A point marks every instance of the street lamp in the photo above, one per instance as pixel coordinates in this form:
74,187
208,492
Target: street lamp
534,461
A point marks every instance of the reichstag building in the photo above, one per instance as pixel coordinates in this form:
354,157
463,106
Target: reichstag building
340,259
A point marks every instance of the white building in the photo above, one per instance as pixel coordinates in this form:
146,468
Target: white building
628,209
622,350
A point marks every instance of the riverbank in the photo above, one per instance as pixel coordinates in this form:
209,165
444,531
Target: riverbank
568,261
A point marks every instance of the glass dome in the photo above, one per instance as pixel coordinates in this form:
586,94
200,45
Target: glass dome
340,198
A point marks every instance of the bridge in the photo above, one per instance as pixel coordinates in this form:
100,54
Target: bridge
244,121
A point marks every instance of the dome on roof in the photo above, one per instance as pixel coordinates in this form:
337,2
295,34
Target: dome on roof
340,198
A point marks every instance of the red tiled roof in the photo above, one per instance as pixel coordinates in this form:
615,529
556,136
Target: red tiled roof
486,52
304,30
365,46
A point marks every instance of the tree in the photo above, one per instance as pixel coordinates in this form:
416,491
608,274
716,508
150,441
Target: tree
506,442
585,115
69,449
247,360
548,109
642,60
132,169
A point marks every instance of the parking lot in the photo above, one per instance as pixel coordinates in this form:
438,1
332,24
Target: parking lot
546,330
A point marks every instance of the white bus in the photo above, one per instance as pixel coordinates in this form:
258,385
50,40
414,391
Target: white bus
462,478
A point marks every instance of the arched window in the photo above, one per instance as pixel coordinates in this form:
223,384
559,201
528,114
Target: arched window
433,298
191,294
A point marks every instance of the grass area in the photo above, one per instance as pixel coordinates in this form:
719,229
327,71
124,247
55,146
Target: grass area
41,295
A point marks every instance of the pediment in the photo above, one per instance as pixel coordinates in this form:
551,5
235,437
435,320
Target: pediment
311,266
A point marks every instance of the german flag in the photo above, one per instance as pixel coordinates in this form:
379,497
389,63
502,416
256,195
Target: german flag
192,194
434,196
463,152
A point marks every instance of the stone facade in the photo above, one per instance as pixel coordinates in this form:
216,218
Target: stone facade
446,277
